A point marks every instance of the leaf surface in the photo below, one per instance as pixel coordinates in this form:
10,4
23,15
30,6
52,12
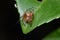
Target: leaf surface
44,12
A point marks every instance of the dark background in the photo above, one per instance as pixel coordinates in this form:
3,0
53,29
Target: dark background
10,29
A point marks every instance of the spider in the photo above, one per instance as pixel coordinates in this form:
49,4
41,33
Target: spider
28,16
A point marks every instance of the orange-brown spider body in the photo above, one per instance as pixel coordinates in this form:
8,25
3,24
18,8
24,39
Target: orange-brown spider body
28,17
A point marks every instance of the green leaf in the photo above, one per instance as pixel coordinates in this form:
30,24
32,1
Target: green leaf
44,12
54,35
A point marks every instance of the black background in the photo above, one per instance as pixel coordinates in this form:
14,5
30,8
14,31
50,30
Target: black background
10,29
